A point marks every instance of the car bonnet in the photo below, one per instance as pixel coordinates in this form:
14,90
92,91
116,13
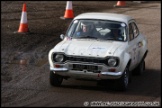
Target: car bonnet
88,47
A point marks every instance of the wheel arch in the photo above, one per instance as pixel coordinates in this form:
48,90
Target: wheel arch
145,54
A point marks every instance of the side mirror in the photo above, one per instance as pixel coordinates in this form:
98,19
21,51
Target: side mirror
62,36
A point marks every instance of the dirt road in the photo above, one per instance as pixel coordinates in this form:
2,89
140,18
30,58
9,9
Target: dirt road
28,85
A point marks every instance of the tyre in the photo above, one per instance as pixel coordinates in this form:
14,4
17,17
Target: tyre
140,68
55,80
122,83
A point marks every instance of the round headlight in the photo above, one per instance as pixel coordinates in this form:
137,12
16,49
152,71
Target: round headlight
59,58
112,62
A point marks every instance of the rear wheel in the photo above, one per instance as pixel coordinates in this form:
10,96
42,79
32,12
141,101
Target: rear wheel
55,80
140,68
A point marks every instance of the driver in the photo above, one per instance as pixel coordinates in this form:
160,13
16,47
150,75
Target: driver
88,29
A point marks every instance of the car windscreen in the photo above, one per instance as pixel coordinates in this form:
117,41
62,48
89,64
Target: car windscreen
97,29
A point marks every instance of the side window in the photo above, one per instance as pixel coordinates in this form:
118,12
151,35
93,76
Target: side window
135,29
131,35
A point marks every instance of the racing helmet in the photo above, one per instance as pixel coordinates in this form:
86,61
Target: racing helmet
89,26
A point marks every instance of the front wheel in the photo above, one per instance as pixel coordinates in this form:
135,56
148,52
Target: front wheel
55,80
122,83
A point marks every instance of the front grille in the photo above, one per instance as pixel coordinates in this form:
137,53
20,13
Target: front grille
85,59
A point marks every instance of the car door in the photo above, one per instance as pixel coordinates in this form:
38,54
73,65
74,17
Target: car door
138,38
133,43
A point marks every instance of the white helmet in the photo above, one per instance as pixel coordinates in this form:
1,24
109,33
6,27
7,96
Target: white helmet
88,25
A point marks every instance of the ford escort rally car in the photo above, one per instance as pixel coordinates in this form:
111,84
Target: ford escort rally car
99,46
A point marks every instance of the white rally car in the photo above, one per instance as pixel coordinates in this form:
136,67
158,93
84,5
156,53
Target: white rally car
111,48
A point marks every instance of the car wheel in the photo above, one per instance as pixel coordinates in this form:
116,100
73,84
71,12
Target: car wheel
122,83
140,68
55,80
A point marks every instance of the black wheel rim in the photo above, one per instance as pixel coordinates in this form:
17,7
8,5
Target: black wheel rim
126,77
60,79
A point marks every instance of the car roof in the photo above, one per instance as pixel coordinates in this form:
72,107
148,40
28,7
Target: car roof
105,16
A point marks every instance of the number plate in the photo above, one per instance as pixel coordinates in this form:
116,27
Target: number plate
87,67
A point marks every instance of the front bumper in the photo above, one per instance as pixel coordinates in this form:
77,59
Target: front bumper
84,74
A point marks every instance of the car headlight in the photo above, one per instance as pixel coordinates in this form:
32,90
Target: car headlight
59,58
112,62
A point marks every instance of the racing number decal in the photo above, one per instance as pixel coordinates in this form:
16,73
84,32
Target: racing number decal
135,54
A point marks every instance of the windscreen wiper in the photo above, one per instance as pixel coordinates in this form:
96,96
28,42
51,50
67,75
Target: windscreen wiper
87,37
